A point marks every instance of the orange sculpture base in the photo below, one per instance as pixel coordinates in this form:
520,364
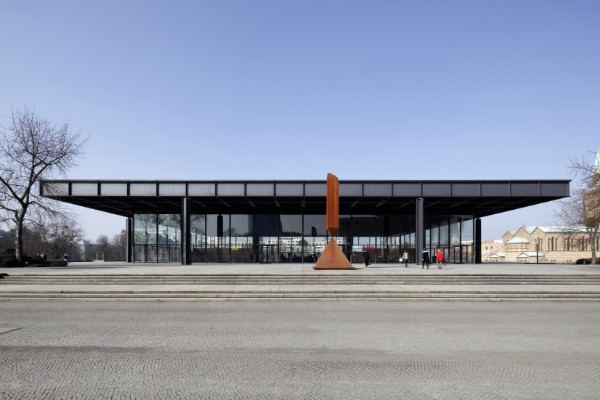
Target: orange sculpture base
333,258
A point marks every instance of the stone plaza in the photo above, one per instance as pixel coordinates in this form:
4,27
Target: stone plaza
129,337
290,349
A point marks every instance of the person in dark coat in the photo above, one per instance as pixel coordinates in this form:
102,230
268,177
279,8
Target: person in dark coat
425,258
366,257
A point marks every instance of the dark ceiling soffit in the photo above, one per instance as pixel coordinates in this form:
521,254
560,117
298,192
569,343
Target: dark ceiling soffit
474,207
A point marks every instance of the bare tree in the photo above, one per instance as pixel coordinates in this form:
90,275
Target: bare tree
33,242
582,209
32,148
119,245
104,246
61,236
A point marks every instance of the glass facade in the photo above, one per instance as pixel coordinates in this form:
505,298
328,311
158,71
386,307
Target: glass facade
297,238
241,221
157,237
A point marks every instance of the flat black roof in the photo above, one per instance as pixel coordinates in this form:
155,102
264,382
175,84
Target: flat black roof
368,197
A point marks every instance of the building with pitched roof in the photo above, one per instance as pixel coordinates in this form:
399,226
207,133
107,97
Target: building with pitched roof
545,244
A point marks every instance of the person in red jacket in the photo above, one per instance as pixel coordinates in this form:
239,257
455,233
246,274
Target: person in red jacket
439,258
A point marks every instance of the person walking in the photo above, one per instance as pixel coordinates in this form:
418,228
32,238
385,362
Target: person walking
404,259
439,258
425,258
366,257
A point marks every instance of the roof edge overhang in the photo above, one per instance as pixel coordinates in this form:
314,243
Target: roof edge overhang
467,197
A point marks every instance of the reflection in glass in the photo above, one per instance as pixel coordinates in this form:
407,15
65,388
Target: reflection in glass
217,244
274,238
466,239
145,237
435,238
169,238
444,233
315,225
241,238
198,237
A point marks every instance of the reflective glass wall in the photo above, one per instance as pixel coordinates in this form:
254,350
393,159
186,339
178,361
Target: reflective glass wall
274,238
157,237
453,235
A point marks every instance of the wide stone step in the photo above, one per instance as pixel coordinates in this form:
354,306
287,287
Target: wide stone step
412,279
333,295
327,287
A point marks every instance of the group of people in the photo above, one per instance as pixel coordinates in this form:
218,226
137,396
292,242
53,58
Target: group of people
425,259
439,259
44,258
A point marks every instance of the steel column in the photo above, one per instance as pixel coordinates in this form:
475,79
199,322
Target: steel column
129,239
477,241
420,228
186,232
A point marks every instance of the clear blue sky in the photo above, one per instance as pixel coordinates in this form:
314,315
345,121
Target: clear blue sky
237,89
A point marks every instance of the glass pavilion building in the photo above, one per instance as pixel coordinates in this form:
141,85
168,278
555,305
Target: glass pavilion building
284,221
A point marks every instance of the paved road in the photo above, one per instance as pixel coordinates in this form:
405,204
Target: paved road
298,350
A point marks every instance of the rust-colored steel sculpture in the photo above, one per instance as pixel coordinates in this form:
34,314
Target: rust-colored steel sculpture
333,204
333,257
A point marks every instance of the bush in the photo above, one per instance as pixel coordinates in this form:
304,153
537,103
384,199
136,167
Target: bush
9,261
586,261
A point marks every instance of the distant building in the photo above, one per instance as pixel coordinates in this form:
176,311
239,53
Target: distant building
87,251
544,244
555,244
489,249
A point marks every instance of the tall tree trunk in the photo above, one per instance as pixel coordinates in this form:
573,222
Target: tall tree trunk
19,222
593,243
19,241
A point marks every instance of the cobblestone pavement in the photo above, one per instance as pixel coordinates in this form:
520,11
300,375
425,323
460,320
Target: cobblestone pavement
298,350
